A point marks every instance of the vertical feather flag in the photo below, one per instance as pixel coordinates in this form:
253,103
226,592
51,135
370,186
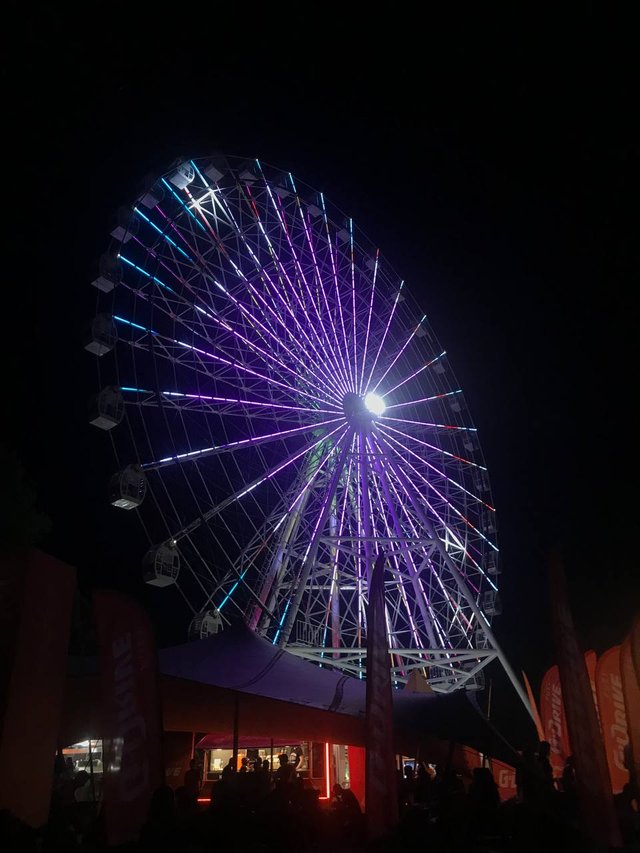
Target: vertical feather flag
592,778
380,771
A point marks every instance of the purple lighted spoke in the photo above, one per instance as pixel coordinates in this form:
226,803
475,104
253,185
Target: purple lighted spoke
427,424
384,336
281,218
268,581
227,502
267,356
456,609
274,291
415,373
398,354
387,484
366,339
266,307
311,549
407,556
353,298
248,314
346,367
262,271
338,298
328,378
433,468
437,492
235,365
333,605
207,452
424,399
238,401
438,450
303,307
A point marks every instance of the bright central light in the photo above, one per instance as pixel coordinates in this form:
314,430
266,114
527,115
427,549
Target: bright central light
374,403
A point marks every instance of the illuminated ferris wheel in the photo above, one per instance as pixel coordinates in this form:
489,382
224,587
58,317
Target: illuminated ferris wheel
281,412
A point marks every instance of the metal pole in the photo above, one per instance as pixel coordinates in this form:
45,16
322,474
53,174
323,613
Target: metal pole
236,718
93,787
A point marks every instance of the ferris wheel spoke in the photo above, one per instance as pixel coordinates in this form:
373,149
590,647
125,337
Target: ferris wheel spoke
289,616
327,343
277,296
411,492
384,507
320,278
258,481
399,354
314,470
429,425
334,274
233,446
253,319
429,399
169,344
447,505
216,405
267,356
433,468
416,373
384,335
366,337
488,506
404,525
447,597
440,450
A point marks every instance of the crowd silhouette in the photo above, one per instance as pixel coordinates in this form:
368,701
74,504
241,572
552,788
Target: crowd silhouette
257,808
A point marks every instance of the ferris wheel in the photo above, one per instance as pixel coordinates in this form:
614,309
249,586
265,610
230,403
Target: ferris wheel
281,412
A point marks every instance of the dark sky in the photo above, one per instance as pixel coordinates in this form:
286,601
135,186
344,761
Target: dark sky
492,159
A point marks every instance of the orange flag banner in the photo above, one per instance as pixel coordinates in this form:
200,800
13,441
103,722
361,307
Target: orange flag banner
591,660
553,720
505,779
631,691
593,787
613,717
635,646
534,708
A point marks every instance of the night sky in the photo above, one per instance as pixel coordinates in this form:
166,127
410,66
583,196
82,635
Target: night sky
491,159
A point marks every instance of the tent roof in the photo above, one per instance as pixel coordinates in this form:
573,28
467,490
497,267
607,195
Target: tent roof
238,659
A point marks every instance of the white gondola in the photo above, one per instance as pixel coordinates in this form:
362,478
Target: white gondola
107,408
161,565
492,564
128,487
109,273
481,641
476,682
153,195
205,624
102,336
127,225
215,171
183,176
491,603
469,443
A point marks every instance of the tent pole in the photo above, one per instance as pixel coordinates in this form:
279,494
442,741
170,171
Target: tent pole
236,715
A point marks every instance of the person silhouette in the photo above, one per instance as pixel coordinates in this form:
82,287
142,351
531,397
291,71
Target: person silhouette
192,780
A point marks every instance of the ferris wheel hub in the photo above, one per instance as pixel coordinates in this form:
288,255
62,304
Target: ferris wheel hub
360,410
